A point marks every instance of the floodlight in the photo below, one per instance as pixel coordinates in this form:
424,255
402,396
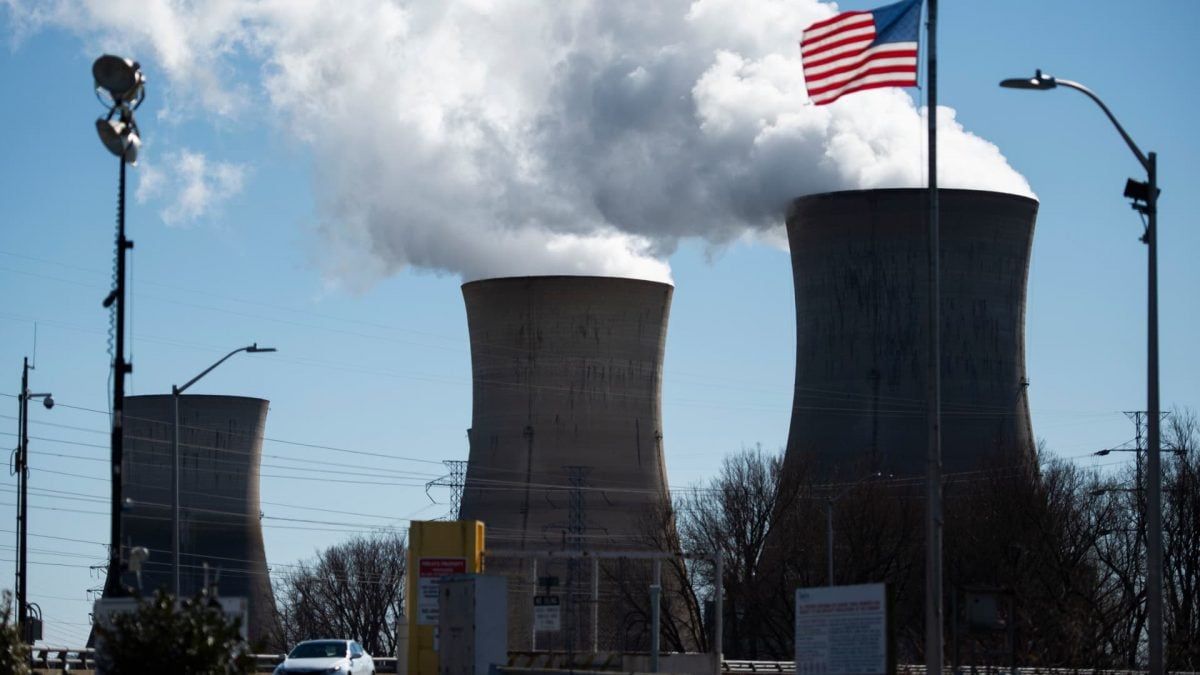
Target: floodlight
1139,191
120,137
120,78
1038,82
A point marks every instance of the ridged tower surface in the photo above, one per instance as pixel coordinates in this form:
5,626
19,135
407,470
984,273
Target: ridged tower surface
567,372
220,443
860,265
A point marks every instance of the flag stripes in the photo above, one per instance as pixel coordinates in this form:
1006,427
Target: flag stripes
845,53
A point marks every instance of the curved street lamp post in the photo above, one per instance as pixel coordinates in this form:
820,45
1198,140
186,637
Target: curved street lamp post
1145,201
175,393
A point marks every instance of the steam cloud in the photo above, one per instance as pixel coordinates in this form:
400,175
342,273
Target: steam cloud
493,137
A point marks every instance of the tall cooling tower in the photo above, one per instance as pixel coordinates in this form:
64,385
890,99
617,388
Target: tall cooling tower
567,376
220,442
859,260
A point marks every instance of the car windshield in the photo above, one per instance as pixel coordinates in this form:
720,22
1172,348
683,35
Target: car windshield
319,650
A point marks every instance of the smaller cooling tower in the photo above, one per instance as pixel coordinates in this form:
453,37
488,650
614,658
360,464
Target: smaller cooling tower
567,377
860,264
220,439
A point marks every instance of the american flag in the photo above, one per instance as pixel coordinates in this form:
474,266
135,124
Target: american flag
861,50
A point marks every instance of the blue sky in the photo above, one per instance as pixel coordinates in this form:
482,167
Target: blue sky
378,360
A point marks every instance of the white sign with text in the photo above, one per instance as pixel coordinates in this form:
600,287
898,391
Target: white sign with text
841,630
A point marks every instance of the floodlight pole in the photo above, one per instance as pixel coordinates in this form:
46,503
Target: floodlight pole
120,369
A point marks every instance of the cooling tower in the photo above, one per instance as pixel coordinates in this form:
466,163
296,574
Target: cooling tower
220,441
859,260
567,372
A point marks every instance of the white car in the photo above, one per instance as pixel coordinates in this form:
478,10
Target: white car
328,657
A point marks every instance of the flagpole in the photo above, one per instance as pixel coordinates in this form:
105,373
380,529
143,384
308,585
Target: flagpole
933,554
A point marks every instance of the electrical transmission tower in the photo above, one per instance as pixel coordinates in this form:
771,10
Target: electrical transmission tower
454,479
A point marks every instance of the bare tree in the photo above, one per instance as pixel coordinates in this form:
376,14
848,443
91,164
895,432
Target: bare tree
353,590
733,516
1181,541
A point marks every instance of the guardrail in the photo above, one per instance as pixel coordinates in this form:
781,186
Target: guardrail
732,666
76,660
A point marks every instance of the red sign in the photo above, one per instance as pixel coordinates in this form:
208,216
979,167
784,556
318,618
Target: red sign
441,567
429,570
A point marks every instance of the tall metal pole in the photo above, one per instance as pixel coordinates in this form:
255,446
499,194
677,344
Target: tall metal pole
23,503
175,491
655,620
120,368
533,580
933,529
1154,553
719,611
829,538
595,605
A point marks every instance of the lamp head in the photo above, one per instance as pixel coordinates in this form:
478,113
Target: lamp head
1101,453
119,78
120,137
1038,82
48,401
138,555
255,349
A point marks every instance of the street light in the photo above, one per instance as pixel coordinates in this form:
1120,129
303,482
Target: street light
829,518
120,85
175,392
1145,201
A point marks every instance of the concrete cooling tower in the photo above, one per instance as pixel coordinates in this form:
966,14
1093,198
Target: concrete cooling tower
859,260
220,442
567,376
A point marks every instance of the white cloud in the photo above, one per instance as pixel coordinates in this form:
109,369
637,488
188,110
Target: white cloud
190,185
488,136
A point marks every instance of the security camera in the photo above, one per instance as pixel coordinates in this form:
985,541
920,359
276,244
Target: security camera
48,402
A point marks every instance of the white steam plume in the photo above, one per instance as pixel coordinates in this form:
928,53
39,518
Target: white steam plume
492,137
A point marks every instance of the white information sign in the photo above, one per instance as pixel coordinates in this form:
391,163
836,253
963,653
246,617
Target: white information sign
429,572
841,630
545,613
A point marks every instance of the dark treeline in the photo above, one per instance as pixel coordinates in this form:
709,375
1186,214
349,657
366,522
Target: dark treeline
1065,543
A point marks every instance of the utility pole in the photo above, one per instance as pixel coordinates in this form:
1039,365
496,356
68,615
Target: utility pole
22,493
22,470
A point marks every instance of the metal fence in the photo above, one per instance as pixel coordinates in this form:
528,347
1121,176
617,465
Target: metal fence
595,602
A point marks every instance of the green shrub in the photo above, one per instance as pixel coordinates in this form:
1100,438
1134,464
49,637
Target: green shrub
194,639
14,653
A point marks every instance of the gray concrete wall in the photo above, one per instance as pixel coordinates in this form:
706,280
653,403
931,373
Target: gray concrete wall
860,266
220,448
567,371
